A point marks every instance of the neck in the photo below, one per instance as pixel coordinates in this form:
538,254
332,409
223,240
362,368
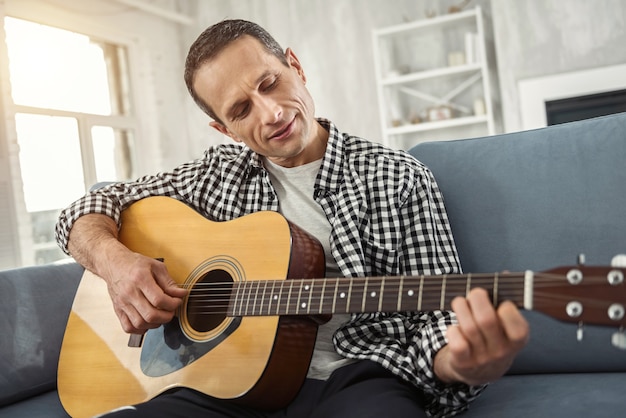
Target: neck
372,294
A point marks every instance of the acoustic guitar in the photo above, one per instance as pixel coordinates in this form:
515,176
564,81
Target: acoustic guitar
246,330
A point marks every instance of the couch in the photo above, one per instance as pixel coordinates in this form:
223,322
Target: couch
529,200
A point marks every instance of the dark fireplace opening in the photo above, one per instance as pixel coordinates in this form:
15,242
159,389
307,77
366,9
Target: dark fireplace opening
585,107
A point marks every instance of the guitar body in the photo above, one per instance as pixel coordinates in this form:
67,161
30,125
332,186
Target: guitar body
259,360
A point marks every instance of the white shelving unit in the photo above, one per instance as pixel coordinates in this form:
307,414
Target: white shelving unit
433,79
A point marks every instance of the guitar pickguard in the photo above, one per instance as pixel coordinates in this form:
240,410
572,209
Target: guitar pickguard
167,349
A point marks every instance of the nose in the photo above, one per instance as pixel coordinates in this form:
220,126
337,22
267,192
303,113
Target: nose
271,112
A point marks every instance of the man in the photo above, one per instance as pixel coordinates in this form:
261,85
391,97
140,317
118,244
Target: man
376,212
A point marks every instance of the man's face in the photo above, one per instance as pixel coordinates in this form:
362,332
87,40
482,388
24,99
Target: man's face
262,102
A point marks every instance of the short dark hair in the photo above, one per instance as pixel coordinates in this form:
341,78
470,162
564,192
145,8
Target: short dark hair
213,40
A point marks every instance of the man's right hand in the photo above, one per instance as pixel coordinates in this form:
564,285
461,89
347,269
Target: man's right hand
144,295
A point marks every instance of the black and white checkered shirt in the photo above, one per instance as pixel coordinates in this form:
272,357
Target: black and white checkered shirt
387,216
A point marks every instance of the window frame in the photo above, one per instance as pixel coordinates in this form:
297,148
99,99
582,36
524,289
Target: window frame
140,120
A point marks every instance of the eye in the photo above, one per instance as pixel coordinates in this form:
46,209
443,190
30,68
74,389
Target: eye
241,111
269,84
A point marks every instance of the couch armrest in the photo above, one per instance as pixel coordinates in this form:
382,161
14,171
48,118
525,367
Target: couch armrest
34,306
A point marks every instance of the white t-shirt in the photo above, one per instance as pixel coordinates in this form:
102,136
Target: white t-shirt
294,187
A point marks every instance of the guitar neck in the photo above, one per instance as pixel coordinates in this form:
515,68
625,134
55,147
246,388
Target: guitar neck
371,294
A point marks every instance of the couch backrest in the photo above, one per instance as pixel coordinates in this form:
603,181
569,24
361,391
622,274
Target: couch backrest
35,303
535,200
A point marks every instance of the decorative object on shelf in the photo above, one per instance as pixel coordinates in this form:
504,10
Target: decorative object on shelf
431,8
459,7
479,107
415,118
456,58
438,113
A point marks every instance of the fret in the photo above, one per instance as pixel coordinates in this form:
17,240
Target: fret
262,304
244,299
271,298
400,289
468,286
495,289
410,296
236,309
315,297
290,298
390,294
421,293
248,293
364,295
304,292
335,295
308,308
455,286
280,297
342,296
299,303
442,300
322,294
256,297
382,294
372,295
511,286
350,294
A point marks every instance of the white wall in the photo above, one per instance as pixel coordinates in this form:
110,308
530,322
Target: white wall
333,39
156,61
544,37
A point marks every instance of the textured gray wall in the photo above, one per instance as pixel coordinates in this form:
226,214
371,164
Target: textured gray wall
543,37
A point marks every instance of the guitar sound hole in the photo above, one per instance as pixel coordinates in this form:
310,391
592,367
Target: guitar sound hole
208,300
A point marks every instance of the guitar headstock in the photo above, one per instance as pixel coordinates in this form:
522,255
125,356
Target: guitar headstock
580,294
593,295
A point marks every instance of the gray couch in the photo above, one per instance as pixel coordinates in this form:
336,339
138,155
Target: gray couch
529,200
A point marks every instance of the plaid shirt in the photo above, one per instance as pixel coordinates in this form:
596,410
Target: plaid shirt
387,216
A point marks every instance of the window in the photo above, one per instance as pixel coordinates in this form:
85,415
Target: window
74,120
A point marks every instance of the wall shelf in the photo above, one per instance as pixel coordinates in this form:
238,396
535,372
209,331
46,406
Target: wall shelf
432,78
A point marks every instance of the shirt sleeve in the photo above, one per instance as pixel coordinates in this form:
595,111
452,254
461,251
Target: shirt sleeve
406,343
112,199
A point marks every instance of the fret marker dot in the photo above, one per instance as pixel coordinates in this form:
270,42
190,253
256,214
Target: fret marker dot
303,305
410,293
342,295
275,297
373,294
306,287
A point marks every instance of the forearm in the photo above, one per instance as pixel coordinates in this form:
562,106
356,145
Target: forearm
93,242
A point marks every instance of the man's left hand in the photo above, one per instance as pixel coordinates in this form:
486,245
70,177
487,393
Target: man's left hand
483,345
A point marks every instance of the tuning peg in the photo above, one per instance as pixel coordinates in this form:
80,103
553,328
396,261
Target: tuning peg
619,339
580,332
619,261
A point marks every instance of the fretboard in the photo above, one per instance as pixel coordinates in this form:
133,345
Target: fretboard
371,294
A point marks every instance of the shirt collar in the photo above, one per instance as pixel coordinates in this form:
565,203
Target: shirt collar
330,176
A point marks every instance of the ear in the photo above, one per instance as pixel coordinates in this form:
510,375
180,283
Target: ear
294,63
224,130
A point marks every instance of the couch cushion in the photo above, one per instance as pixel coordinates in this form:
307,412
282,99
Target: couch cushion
45,405
582,395
553,348
34,306
535,200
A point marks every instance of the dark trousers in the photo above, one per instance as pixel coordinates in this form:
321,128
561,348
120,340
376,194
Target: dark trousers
362,389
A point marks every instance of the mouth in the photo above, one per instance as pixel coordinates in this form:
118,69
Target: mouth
283,132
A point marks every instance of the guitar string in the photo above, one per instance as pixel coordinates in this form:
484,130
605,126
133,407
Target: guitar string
431,300
539,300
